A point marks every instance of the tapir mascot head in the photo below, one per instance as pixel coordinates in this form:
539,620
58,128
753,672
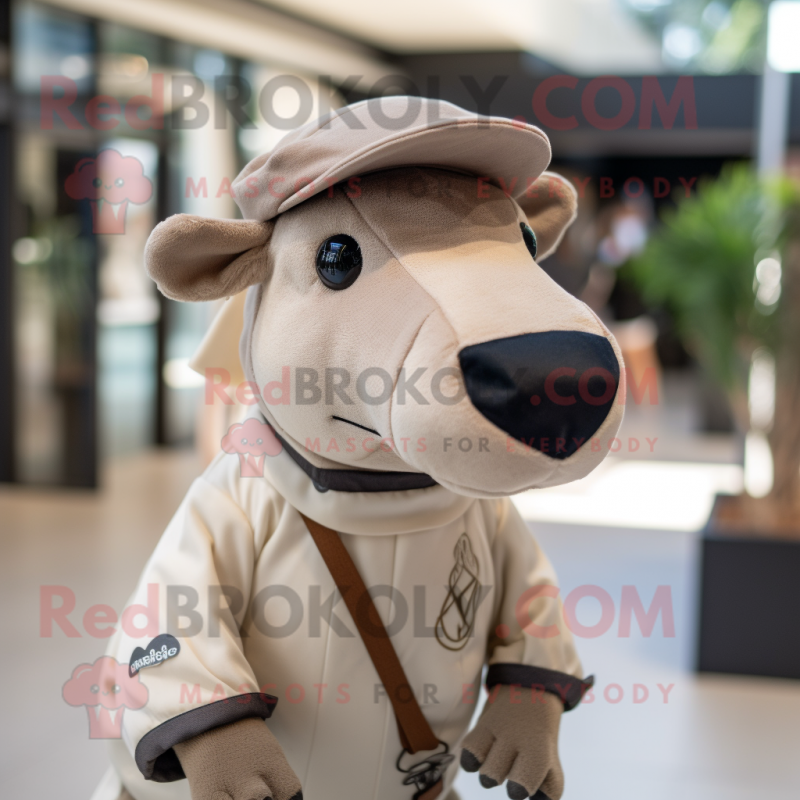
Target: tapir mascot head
397,320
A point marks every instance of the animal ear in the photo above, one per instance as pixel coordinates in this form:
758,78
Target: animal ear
551,205
196,258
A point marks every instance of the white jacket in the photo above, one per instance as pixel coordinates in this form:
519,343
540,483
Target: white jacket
287,633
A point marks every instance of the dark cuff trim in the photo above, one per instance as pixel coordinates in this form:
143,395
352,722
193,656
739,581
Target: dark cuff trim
156,759
569,688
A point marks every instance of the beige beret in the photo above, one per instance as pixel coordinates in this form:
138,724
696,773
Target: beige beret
388,132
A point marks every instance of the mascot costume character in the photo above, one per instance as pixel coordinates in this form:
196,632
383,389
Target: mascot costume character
349,570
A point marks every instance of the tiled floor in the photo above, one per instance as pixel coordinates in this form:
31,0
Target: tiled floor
716,738
95,545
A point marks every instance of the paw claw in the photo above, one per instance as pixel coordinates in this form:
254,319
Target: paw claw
487,782
516,791
469,762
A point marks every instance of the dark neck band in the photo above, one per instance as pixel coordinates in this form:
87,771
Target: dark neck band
357,480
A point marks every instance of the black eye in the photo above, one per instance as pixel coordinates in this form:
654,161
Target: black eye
119,182
339,261
529,237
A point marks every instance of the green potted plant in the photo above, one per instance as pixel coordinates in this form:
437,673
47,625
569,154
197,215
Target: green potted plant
726,263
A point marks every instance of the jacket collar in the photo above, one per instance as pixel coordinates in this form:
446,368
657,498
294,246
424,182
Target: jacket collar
364,502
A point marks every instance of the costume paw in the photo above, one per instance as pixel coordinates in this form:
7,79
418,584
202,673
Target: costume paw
516,739
241,761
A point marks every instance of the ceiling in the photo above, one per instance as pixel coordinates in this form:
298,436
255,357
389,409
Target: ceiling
243,28
580,36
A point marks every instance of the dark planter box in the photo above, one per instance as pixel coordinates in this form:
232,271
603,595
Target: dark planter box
749,603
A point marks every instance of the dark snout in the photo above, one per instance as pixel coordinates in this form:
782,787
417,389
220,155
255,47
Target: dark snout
550,390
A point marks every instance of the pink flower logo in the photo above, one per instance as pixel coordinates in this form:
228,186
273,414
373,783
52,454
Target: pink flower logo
252,440
106,689
109,182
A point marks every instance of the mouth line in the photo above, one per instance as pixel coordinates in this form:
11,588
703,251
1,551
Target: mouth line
350,422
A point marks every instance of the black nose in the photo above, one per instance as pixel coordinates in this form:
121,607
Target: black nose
550,390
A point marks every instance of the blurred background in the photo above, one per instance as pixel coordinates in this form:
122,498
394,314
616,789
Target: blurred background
679,123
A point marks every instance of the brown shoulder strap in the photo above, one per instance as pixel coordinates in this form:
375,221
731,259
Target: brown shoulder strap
415,732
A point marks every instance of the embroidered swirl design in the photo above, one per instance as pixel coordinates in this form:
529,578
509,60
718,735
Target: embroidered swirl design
456,620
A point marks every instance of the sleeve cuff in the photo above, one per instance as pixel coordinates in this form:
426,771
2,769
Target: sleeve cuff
569,688
154,755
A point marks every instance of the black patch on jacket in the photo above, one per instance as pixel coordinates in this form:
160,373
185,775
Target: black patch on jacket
160,649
